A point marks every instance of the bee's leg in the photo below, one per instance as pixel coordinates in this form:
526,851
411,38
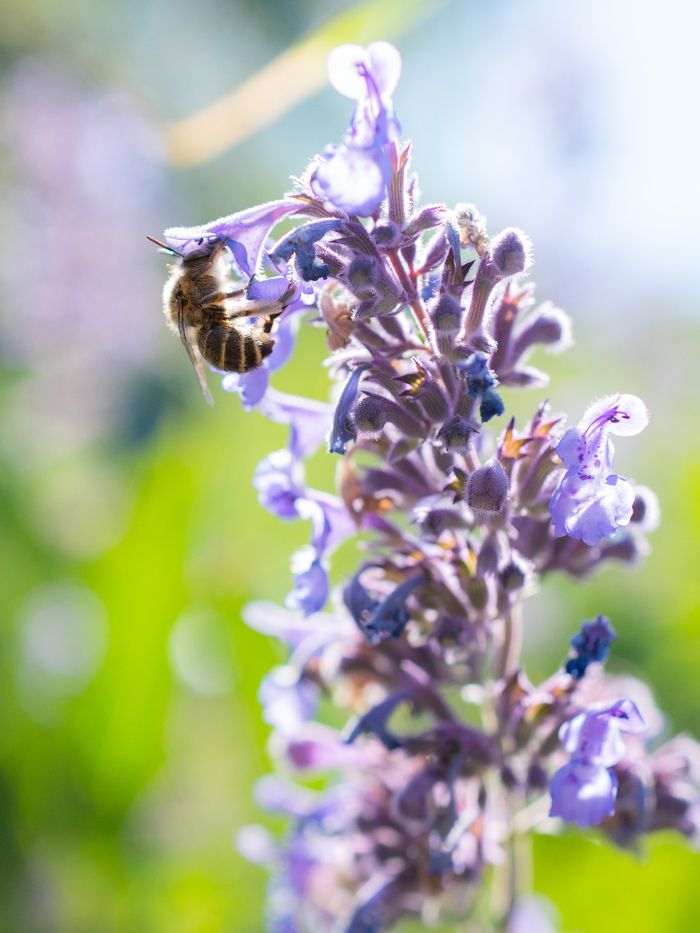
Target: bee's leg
216,298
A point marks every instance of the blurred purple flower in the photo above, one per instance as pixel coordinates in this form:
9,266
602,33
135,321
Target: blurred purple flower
591,502
584,790
287,700
85,175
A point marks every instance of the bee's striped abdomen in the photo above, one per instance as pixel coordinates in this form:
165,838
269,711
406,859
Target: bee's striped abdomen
233,349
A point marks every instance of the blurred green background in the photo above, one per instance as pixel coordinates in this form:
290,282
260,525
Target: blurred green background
130,734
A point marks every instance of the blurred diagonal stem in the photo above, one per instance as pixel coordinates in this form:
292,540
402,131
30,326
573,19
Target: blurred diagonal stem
292,76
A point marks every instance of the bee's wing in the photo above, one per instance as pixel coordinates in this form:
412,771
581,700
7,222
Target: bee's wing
193,354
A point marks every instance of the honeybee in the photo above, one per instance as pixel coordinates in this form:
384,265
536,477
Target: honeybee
214,322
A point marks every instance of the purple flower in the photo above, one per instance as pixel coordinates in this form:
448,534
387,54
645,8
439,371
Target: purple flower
279,481
245,232
308,420
583,793
591,502
343,430
287,700
311,587
353,176
584,790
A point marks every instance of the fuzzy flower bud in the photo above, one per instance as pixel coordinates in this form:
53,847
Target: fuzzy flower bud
487,490
387,235
446,318
362,274
456,433
509,253
370,415
447,315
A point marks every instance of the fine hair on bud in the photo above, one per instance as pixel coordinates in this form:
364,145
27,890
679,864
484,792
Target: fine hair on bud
386,235
487,490
447,315
370,415
456,433
362,274
548,326
510,252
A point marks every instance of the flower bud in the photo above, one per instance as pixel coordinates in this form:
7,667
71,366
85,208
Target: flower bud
447,315
363,274
509,253
487,489
456,433
386,235
370,415
548,326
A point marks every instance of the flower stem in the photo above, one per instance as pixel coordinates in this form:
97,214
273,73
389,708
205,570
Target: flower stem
512,641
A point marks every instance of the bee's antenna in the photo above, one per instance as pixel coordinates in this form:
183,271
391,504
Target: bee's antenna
164,246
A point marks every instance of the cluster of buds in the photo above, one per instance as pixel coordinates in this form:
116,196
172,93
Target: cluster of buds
448,754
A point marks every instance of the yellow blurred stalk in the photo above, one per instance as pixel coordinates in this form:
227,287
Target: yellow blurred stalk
288,79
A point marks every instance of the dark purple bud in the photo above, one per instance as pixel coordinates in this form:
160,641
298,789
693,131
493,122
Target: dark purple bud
363,274
547,325
456,433
447,315
487,489
370,414
386,235
627,548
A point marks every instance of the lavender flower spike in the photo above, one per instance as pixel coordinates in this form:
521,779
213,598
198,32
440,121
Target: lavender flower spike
419,807
584,790
591,502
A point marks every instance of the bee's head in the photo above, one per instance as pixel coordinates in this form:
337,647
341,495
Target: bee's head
207,248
